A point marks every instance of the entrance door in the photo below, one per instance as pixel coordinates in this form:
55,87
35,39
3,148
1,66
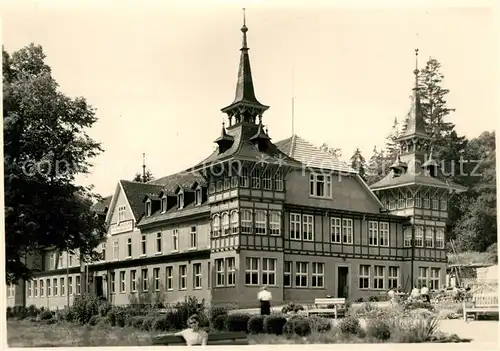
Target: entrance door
98,286
343,283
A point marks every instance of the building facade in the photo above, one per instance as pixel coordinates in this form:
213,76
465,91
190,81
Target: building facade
286,215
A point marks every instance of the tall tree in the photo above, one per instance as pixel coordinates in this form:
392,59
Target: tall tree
476,228
358,162
391,145
45,146
335,152
376,167
143,179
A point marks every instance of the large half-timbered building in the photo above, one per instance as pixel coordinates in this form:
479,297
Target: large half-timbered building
286,215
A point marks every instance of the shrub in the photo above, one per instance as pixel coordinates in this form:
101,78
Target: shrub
236,322
320,324
84,307
33,311
256,324
360,299
10,313
104,321
298,325
274,323
219,323
94,319
104,308
292,307
189,307
45,315
349,325
119,317
162,323
415,330
136,322
373,299
379,329
413,305
147,323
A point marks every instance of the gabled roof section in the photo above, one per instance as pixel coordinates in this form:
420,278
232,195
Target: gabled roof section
185,179
312,156
136,193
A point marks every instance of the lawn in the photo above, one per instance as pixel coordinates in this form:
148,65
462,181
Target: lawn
25,333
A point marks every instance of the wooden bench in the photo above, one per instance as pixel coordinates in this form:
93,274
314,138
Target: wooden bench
482,303
222,338
322,306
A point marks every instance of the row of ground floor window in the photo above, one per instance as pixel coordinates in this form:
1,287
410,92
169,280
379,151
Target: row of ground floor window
221,279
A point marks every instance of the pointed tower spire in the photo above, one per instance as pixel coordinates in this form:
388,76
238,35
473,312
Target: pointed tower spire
415,124
245,107
143,167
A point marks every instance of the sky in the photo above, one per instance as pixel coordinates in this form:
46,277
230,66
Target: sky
158,75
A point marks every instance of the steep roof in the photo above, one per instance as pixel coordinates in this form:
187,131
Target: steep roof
102,206
183,179
310,155
416,175
243,149
135,193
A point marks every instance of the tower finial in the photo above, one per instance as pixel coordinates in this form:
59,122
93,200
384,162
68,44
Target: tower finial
244,30
416,71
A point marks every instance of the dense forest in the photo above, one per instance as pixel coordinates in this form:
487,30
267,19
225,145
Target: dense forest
472,223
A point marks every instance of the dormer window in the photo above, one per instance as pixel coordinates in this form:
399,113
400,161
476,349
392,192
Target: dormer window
163,205
180,200
148,208
198,196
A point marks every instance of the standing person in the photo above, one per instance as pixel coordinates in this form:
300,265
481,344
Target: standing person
264,296
425,293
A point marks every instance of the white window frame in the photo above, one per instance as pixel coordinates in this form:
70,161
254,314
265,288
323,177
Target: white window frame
123,282
197,274
144,279
443,201
121,213
364,277
246,221
230,263
260,222
267,181
220,273
42,288
287,273
235,222
62,287
129,247
198,196
175,240
148,208
275,223
308,227
52,260
78,285
439,238
35,288
295,226
318,275
336,230
169,278
383,228
393,277
133,280
193,237
52,289
159,243
278,180
435,279
407,236
255,179
30,288
418,199
226,230
401,200
427,201
373,233
320,183
347,235
144,246
378,277
244,178
429,237
180,200
216,228
435,202
156,278
70,285
251,272
419,236
268,276
423,276
164,204
301,274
